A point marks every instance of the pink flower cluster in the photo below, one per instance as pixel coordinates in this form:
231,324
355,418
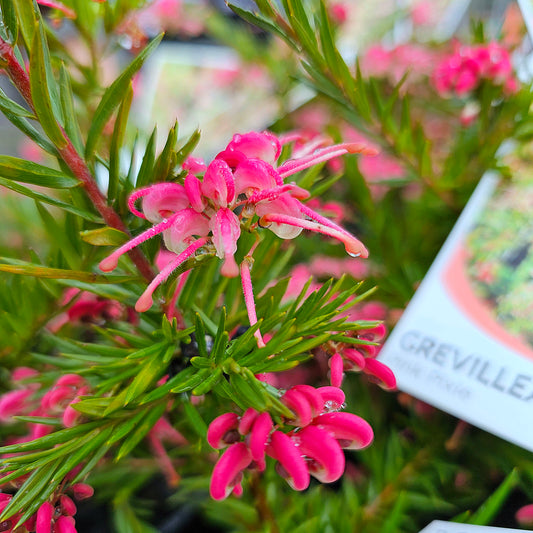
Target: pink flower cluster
85,307
393,63
244,184
55,515
57,401
313,448
463,71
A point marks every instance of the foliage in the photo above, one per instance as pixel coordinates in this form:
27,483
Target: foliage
123,400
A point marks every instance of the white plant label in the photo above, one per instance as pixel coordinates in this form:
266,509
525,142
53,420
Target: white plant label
450,527
465,341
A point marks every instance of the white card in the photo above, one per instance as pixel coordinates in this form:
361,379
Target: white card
450,527
459,350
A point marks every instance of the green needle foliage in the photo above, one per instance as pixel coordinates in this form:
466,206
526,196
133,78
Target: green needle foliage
189,359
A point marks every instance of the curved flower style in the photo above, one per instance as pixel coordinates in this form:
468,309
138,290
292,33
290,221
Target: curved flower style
241,185
313,448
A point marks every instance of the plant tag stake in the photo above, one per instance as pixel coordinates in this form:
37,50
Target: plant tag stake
465,342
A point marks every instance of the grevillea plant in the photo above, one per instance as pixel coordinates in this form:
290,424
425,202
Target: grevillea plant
189,334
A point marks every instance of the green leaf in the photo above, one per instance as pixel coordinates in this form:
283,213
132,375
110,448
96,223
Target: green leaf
192,381
72,127
117,139
246,393
113,96
9,106
33,490
188,147
147,166
154,414
490,508
43,87
28,172
149,373
197,422
261,22
48,441
30,269
27,18
167,158
104,237
36,136
209,383
30,193
10,19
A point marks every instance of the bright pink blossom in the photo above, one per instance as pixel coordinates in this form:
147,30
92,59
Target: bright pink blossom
524,515
243,182
462,72
314,447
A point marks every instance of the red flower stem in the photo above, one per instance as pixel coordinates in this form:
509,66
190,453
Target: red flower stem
73,160
16,72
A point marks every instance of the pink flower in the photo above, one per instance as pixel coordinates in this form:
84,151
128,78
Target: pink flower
243,184
524,515
227,474
468,66
314,447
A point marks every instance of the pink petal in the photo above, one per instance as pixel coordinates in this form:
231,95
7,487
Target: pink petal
336,366
163,200
65,524
284,205
187,224
194,192
21,373
226,472
195,165
218,184
355,357
254,175
233,158
385,376
68,507
56,397
524,515
13,403
247,421
221,431
351,431
327,460
284,450
70,380
316,402
82,491
333,398
45,513
259,438
300,406
263,146
226,230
